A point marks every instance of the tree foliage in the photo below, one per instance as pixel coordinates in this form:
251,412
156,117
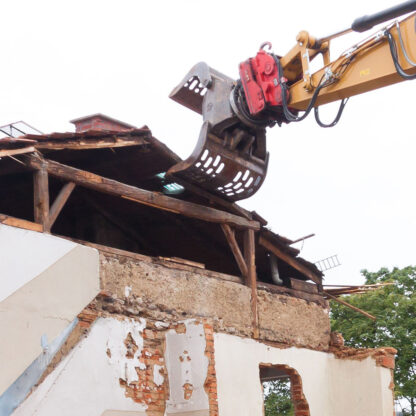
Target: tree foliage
277,398
395,309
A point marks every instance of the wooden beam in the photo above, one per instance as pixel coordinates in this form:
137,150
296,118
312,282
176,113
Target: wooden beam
11,152
85,144
348,305
230,236
289,260
251,277
141,196
17,222
41,195
233,207
58,204
303,286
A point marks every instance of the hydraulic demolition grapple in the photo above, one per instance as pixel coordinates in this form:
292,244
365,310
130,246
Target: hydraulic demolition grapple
230,159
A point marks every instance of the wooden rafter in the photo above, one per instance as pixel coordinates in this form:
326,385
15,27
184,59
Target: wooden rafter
141,196
287,258
58,204
233,207
90,143
348,305
11,152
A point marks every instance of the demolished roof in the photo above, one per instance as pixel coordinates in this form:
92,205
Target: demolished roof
136,159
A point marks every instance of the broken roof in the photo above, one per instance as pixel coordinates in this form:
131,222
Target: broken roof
134,157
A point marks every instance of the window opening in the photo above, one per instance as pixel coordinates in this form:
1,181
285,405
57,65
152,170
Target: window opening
282,391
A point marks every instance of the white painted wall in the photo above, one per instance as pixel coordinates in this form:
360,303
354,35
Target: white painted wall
86,382
48,281
25,254
186,362
332,387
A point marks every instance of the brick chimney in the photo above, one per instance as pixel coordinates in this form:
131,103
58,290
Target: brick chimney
100,122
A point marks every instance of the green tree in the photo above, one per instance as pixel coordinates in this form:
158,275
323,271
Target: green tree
277,398
395,309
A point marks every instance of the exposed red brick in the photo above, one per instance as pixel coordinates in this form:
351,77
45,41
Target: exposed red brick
210,384
188,389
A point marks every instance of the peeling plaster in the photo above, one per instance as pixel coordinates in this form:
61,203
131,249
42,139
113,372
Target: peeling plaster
159,324
118,349
186,364
158,378
86,381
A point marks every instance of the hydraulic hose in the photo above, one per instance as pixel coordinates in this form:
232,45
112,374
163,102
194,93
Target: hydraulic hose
394,55
292,117
337,117
284,93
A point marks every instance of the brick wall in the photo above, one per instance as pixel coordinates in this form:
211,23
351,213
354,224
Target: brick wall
211,380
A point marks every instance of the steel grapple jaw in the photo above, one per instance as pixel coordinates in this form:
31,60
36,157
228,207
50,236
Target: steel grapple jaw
230,158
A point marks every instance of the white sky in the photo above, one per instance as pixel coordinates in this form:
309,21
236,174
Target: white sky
352,185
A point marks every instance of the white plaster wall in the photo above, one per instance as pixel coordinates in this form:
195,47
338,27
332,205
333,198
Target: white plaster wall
56,289
332,387
25,254
86,382
186,362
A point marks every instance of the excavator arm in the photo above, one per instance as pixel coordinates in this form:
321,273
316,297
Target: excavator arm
230,159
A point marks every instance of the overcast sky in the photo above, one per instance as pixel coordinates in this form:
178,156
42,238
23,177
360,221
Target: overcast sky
352,185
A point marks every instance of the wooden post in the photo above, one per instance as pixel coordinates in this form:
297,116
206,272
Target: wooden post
251,279
232,242
41,195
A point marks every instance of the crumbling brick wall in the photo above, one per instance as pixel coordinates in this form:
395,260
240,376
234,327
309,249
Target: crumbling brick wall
169,292
152,387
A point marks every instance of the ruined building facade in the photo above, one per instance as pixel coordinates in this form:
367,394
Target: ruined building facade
112,304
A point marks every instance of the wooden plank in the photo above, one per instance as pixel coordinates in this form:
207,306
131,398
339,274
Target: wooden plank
11,152
18,222
89,144
183,261
41,195
230,236
303,286
58,204
251,277
141,196
348,305
289,260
